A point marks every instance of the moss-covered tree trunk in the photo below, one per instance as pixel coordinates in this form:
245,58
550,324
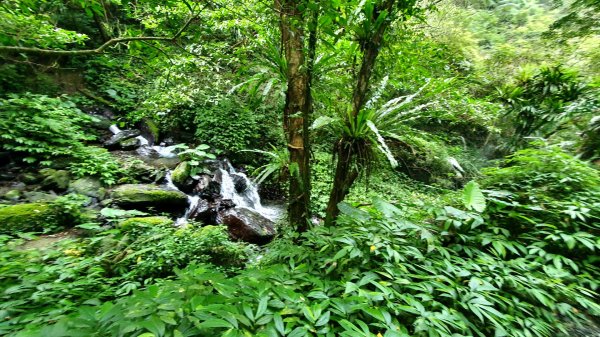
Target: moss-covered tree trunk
296,111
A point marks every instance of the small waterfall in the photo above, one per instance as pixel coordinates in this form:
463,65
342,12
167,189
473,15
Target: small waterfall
114,129
145,149
193,201
248,198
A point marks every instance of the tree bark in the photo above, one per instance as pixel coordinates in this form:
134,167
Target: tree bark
345,175
296,111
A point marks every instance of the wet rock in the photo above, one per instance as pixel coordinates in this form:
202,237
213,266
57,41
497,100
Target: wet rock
150,130
204,212
88,186
181,177
113,142
149,197
248,225
57,180
239,182
142,172
27,218
208,189
130,144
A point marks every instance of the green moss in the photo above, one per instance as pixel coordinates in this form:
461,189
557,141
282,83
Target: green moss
151,127
151,221
27,218
181,173
148,196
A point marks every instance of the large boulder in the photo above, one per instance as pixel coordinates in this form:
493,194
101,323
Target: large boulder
115,140
32,217
248,225
88,186
149,197
208,212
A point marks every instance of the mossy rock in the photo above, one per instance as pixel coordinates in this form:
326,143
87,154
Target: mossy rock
130,144
12,195
150,130
150,221
149,197
181,173
32,217
88,186
55,179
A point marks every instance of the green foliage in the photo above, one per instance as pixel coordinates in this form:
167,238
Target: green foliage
550,202
276,167
473,198
37,287
374,273
155,248
231,127
539,103
41,286
194,157
41,128
96,162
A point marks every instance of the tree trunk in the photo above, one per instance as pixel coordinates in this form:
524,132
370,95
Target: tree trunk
345,175
296,112
347,169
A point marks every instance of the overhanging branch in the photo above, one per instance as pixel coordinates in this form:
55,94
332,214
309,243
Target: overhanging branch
99,50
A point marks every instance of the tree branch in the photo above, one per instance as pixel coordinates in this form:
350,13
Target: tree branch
99,50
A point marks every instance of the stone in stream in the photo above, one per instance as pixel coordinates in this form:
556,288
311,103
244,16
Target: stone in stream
181,177
130,144
115,140
149,197
248,225
91,187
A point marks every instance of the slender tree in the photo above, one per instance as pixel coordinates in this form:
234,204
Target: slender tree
299,55
353,151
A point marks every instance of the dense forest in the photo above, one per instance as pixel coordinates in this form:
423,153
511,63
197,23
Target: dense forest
376,168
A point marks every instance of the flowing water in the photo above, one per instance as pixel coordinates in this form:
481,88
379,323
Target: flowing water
248,198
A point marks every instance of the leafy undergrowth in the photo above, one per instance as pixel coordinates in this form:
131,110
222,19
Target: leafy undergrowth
373,274
41,286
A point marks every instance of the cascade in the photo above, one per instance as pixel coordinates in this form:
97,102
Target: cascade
245,196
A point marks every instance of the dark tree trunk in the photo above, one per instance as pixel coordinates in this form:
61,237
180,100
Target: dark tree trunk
345,175
347,168
296,112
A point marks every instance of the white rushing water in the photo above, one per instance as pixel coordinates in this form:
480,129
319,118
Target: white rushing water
248,198
161,150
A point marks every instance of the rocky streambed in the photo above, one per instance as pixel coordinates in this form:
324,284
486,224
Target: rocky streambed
159,185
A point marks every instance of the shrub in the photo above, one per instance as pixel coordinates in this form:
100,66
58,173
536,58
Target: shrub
547,202
96,162
41,127
155,248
